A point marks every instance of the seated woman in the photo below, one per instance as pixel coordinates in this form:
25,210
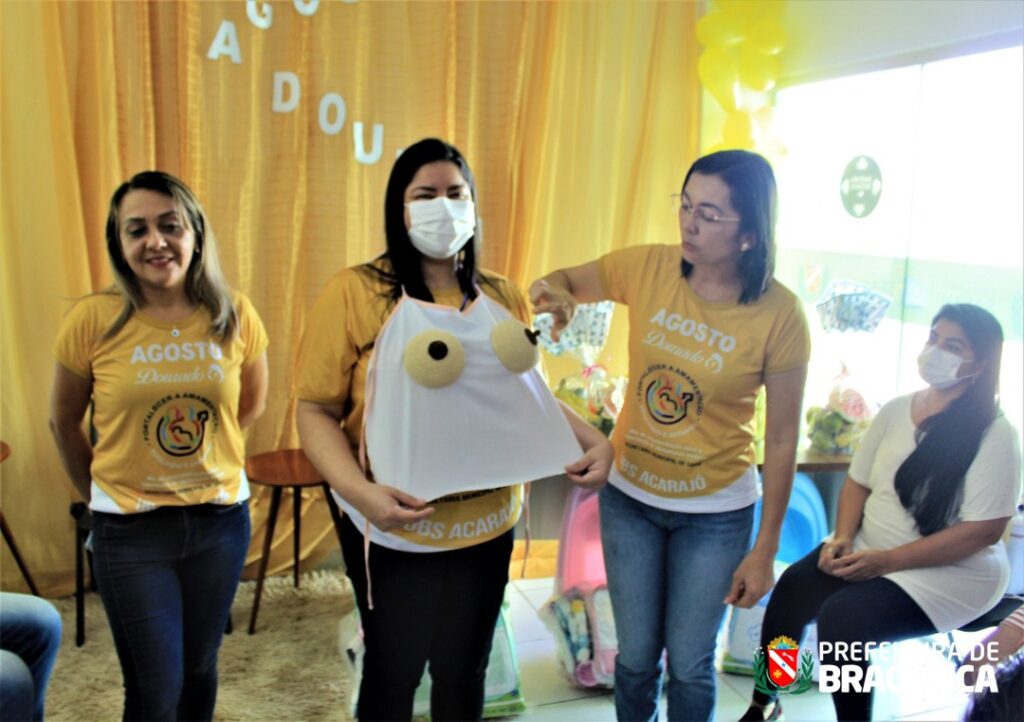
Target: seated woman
916,548
30,631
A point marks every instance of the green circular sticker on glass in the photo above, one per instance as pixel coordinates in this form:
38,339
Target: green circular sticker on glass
861,187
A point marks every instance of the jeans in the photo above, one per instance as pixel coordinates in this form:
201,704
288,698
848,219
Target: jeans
440,607
876,610
668,573
167,579
29,639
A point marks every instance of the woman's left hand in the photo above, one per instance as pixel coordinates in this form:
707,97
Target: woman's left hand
863,565
752,579
591,470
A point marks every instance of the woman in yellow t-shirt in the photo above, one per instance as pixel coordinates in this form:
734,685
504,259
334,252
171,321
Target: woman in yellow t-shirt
174,365
709,326
436,594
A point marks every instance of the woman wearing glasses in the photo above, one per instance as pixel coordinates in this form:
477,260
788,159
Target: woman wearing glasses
708,327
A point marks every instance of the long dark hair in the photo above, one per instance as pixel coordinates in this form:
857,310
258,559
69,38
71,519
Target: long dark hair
753,193
930,482
406,263
204,281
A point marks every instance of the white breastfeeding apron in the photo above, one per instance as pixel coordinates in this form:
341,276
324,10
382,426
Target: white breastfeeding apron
489,427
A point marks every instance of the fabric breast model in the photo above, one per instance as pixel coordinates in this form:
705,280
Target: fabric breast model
456,403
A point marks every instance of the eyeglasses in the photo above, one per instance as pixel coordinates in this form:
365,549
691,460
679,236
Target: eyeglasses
685,209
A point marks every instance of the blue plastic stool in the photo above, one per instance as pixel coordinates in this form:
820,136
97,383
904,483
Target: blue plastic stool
805,523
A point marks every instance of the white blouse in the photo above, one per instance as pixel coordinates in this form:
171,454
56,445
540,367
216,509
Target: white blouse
952,594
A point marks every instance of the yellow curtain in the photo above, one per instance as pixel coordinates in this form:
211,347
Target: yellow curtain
578,119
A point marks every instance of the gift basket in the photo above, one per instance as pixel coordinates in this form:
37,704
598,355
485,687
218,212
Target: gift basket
594,394
579,613
837,426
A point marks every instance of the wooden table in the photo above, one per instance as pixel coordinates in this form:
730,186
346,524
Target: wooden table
278,469
809,461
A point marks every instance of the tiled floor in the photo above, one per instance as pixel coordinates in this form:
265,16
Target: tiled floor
928,696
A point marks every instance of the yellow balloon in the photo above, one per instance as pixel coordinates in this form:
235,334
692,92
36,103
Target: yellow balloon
747,144
738,130
758,71
767,35
744,144
752,100
718,74
718,30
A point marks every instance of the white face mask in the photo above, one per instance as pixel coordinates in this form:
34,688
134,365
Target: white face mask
938,367
440,227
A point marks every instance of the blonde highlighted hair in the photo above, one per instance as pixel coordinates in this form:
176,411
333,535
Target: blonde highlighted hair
204,281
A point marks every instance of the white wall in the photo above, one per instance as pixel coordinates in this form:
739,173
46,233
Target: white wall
828,38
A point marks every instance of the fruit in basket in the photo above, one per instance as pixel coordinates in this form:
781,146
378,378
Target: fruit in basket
832,432
592,402
575,396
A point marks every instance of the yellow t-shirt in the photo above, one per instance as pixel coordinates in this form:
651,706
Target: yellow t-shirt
333,361
165,404
685,438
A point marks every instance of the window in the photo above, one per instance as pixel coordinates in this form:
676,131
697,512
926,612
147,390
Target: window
942,144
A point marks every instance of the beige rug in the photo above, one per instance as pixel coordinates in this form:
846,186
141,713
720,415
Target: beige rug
291,669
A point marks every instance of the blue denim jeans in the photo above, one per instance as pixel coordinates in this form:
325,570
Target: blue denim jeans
29,639
167,579
668,573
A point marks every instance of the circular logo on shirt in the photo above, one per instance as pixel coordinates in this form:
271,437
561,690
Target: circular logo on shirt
179,424
672,399
181,429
